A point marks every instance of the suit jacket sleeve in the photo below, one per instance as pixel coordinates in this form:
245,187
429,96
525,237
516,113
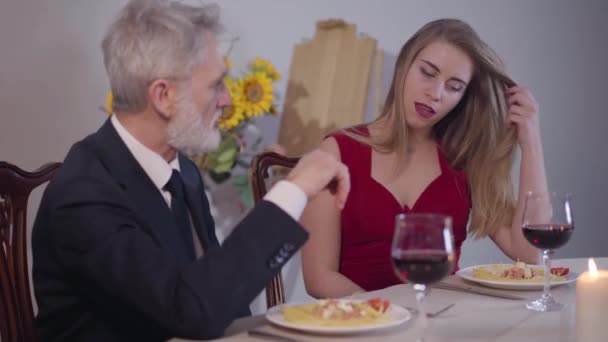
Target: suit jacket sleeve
97,238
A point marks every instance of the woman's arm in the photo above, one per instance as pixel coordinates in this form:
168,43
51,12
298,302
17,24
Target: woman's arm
523,112
321,253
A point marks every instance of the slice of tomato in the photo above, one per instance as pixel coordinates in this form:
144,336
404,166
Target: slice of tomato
379,304
560,271
385,305
375,303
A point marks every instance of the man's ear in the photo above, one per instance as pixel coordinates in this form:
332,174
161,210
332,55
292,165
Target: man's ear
163,95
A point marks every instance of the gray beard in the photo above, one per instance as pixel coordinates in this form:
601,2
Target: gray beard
188,133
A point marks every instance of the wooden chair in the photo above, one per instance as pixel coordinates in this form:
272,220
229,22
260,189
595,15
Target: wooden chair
258,172
16,310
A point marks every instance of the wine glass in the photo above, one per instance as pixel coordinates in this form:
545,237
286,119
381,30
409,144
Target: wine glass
547,225
422,253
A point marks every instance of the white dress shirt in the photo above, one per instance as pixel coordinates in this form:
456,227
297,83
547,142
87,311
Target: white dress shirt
286,195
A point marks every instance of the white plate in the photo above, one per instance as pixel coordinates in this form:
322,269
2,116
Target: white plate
398,313
467,274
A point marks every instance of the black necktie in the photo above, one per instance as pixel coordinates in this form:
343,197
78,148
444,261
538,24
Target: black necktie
175,186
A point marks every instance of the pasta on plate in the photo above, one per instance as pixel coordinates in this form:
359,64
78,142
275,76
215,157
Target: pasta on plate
339,312
519,272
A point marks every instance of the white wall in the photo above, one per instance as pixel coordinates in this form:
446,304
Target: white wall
52,79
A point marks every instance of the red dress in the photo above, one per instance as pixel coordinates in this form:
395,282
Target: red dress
370,210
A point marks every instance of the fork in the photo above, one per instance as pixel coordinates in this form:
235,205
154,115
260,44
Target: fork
432,314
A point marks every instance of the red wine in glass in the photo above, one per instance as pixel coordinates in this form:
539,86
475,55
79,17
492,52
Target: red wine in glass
548,224
422,266
548,236
422,253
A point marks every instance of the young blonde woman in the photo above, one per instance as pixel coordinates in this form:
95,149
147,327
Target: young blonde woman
444,143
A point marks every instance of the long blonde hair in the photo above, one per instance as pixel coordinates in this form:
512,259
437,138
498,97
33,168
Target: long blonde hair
475,135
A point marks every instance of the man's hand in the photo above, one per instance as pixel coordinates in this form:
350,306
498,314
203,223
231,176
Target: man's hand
316,170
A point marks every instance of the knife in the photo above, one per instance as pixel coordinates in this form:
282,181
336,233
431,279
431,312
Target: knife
473,290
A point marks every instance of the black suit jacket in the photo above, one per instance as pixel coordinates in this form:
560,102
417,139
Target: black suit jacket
104,257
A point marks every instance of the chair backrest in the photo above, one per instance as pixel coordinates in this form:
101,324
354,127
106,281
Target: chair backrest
259,173
16,310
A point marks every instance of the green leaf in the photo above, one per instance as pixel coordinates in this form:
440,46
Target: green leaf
228,155
226,152
223,167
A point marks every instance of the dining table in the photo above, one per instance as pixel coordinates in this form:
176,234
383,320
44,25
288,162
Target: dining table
473,317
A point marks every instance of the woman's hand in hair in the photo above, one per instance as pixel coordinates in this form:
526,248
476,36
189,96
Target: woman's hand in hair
523,112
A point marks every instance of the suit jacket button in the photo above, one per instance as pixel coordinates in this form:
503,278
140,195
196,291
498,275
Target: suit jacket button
288,247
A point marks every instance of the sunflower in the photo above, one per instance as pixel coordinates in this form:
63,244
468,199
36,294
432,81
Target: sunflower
257,94
262,65
235,87
109,103
227,62
231,116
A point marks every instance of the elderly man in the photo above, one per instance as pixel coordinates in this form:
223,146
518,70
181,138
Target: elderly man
124,244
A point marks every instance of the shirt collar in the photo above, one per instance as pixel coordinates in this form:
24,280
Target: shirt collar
155,166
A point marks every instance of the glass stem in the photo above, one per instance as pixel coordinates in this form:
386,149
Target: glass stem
422,320
547,273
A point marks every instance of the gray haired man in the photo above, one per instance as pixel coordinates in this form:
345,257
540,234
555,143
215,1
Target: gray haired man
124,244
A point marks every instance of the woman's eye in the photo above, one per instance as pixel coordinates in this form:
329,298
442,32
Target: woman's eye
426,73
453,88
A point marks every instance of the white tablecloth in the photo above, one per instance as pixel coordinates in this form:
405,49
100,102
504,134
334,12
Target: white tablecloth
473,318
